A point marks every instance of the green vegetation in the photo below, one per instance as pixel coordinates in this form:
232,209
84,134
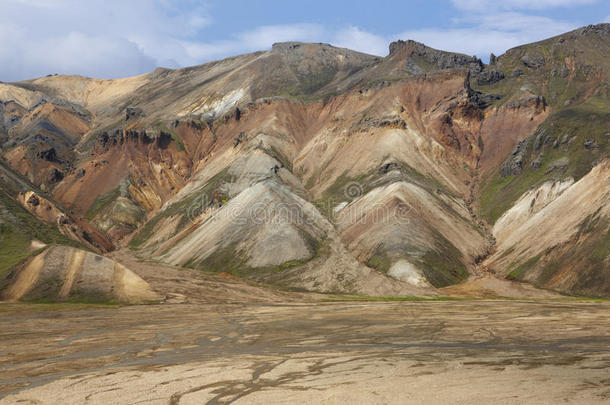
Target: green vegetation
314,81
572,83
101,202
380,262
499,194
230,260
601,252
341,189
590,260
17,229
274,153
522,269
442,267
338,192
39,306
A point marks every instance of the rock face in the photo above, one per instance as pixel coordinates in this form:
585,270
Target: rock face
63,273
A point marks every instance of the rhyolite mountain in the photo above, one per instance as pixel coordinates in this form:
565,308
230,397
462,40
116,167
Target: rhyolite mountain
320,168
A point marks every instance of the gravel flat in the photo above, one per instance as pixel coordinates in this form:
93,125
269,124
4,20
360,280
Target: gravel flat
479,351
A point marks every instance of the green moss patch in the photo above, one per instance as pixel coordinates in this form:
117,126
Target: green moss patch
521,270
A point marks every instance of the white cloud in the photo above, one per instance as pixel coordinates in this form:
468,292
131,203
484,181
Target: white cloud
101,38
495,32
258,39
88,55
478,34
359,40
265,36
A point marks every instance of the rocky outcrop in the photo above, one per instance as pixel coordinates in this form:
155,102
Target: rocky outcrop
489,77
532,60
412,51
538,102
48,212
119,137
133,113
514,165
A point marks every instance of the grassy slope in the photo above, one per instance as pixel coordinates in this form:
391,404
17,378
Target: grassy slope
17,228
589,121
580,103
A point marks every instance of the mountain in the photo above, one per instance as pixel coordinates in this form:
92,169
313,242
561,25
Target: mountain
314,167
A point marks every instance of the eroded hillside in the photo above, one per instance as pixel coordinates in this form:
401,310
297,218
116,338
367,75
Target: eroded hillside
315,167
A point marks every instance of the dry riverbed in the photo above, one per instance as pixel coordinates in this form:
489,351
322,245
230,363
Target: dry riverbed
341,352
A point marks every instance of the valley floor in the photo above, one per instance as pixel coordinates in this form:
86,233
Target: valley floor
471,351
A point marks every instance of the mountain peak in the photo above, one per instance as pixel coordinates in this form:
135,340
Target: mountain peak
294,45
417,55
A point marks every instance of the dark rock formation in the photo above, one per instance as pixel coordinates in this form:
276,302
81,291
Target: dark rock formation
541,139
164,140
533,61
388,167
413,50
55,176
133,112
105,141
489,77
483,100
49,155
239,139
33,200
514,165
537,101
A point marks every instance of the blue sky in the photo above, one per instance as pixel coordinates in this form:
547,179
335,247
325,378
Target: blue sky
110,38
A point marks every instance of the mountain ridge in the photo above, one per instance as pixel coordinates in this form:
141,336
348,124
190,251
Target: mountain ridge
410,163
